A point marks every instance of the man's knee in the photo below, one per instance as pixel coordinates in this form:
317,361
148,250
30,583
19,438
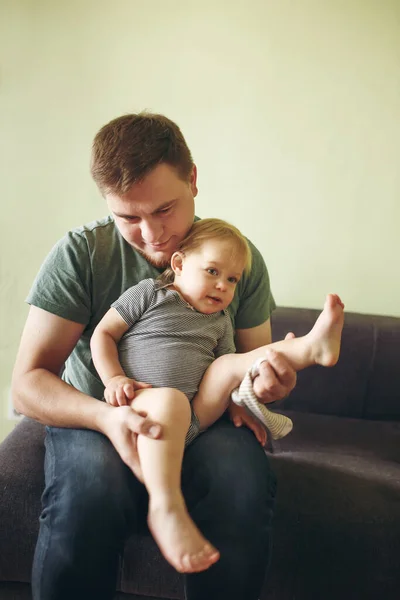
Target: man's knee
232,473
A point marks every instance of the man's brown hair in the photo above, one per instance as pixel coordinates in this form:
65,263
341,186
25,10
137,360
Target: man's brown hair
129,147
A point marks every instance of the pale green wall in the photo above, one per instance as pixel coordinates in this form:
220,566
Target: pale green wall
291,110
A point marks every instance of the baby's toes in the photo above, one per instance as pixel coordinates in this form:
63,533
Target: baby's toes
205,558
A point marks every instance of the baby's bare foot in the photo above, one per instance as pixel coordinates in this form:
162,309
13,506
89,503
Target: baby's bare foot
327,332
178,538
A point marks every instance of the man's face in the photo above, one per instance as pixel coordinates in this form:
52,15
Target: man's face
156,214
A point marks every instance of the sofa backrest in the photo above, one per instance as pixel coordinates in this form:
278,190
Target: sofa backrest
365,383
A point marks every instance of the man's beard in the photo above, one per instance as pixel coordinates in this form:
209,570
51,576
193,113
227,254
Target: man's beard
160,263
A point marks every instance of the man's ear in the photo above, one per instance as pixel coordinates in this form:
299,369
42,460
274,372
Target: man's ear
177,263
193,181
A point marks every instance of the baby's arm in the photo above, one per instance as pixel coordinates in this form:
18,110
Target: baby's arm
119,389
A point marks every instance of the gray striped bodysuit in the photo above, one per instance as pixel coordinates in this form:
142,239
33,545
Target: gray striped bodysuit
168,343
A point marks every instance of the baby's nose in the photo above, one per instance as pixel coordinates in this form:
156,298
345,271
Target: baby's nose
221,285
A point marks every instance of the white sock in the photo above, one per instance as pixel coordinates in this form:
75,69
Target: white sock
277,424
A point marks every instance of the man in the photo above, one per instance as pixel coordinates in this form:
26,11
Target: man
92,500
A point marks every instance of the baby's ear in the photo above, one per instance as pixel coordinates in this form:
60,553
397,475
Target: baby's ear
177,262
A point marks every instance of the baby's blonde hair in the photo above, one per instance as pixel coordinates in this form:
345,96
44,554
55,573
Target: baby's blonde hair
212,229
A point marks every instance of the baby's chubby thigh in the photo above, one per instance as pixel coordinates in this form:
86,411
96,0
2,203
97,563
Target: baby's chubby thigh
163,405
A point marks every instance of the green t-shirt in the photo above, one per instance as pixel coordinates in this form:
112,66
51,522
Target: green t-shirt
90,267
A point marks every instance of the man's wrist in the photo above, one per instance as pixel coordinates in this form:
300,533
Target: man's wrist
101,417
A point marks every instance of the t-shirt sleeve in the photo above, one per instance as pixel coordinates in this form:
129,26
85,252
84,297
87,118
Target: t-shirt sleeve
256,299
62,286
226,344
134,302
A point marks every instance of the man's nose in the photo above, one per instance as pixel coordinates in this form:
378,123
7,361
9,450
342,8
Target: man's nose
151,231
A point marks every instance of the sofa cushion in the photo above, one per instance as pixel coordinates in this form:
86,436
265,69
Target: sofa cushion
339,484
146,572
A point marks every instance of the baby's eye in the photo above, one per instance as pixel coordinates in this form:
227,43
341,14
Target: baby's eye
212,271
232,279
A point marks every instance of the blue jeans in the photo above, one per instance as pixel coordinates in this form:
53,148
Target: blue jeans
92,502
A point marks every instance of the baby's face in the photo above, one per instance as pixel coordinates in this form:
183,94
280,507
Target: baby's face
209,275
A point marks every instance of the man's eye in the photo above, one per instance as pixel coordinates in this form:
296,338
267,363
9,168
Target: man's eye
212,271
164,210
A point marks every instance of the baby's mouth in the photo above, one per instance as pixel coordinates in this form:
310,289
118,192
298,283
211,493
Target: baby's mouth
215,299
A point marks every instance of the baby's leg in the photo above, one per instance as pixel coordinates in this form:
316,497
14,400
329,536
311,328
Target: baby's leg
212,398
320,346
177,536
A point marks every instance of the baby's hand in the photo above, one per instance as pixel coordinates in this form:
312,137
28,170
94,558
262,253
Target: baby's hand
120,390
239,416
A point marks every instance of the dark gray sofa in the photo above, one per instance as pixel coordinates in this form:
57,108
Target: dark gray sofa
337,524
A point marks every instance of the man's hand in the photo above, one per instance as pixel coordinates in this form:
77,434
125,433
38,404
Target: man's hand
122,425
239,416
120,390
276,379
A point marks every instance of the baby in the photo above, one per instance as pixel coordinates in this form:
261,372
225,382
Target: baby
166,347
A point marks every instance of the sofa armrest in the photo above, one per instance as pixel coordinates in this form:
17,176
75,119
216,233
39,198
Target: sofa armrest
21,486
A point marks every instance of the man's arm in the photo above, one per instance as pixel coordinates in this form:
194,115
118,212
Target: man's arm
37,390
39,393
277,378
249,339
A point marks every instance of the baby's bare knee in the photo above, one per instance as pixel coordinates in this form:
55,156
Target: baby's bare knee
172,405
